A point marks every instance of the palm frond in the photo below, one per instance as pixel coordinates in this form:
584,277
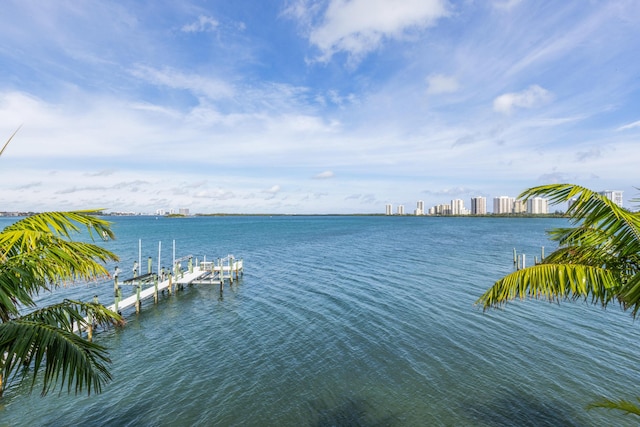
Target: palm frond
60,224
69,312
553,282
4,147
627,406
595,211
630,294
63,357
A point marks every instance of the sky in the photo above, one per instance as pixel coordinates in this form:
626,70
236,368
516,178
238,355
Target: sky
313,107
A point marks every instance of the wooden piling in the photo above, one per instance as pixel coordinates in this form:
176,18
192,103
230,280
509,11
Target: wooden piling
155,294
138,304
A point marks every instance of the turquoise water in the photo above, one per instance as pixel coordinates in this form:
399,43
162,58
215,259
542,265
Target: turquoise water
346,321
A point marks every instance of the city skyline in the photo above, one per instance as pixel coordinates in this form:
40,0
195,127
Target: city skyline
501,205
297,107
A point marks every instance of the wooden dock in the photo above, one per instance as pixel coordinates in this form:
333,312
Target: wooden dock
205,272
228,269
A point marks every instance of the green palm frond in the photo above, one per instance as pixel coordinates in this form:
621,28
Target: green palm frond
598,260
33,231
630,294
627,406
69,312
594,211
553,282
61,356
37,253
59,261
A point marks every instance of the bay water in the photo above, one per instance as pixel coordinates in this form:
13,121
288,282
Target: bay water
344,321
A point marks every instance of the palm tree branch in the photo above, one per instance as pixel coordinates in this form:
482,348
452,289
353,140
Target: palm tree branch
69,312
627,406
65,357
595,211
553,282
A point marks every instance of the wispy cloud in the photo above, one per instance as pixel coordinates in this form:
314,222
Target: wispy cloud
532,97
632,125
211,87
202,24
358,27
440,83
324,175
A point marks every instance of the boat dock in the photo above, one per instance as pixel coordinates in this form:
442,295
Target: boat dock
151,284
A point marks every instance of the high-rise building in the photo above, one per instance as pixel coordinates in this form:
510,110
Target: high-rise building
420,208
183,211
519,207
537,205
478,205
503,205
388,209
614,195
400,209
457,207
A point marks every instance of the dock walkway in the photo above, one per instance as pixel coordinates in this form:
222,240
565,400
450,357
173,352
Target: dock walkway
206,272
151,284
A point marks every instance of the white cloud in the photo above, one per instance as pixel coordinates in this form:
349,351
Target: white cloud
324,175
203,24
210,87
532,97
358,27
629,126
439,83
506,4
273,190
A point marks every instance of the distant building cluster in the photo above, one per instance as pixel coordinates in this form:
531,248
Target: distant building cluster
181,211
502,205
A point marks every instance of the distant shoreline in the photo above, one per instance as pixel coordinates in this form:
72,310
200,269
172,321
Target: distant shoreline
520,215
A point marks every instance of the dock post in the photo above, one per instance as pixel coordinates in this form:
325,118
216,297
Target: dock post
118,297
515,257
116,289
230,270
116,271
170,283
542,254
138,286
524,257
190,265
149,265
155,294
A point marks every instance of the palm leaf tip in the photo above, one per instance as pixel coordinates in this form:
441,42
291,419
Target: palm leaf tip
626,406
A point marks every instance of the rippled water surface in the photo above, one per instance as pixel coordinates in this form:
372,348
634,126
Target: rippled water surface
346,321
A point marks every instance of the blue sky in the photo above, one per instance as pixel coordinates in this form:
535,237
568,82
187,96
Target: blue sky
314,106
